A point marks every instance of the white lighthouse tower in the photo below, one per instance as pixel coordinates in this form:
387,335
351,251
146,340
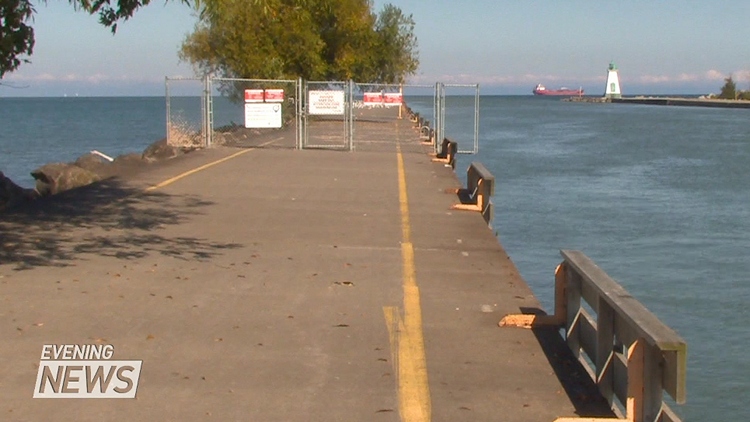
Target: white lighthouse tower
613,83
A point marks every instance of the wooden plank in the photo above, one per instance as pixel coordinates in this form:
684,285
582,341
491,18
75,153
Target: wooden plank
573,298
624,333
620,377
588,336
561,283
635,401
653,390
675,385
591,295
605,325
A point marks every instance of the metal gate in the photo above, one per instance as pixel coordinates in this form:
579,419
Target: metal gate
452,115
327,121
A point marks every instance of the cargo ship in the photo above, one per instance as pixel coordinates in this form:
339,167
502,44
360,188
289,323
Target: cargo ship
541,90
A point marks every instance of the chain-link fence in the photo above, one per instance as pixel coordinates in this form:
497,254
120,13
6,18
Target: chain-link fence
380,118
257,113
319,114
328,115
457,115
186,112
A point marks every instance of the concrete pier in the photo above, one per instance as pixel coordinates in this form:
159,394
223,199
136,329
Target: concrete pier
270,284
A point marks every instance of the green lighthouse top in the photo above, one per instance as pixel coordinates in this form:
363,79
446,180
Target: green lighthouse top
612,66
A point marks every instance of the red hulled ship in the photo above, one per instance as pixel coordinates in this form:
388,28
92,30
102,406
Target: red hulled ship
541,90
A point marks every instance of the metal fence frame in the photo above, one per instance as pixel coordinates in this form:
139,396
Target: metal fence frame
204,133
440,107
296,101
347,129
302,89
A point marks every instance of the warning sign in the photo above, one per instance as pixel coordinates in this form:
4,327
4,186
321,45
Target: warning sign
253,95
262,115
392,98
373,98
326,102
274,95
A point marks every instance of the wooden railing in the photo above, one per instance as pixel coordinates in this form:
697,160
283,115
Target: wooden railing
447,154
480,186
426,134
631,355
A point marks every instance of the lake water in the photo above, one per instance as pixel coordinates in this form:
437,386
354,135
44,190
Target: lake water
658,197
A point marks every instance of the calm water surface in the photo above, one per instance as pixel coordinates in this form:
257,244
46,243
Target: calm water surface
659,197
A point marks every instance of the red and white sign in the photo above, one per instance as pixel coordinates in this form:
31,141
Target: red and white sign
274,95
392,98
371,98
253,95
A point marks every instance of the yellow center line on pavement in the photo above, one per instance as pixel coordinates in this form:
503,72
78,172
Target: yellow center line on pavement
205,166
411,364
195,170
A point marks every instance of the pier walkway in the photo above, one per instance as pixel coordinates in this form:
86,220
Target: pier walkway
270,284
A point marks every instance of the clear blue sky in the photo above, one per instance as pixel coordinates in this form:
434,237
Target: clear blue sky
507,46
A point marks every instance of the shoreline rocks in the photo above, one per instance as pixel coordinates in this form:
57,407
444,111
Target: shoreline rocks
54,178
11,194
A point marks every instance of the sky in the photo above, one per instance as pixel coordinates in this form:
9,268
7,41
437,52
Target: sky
509,46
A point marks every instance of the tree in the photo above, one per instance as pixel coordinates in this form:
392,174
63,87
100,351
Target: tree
311,39
729,90
396,48
17,34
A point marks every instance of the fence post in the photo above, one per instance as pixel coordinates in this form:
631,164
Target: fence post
168,106
207,111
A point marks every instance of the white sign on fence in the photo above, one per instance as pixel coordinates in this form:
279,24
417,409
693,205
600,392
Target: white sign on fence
262,115
326,102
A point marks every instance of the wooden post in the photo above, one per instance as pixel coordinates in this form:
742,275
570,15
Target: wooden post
605,338
634,406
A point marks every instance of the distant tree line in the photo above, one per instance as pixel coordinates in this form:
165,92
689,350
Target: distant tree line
261,39
730,92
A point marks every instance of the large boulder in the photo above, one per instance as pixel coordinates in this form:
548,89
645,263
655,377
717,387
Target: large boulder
129,160
54,178
159,151
96,164
11,194
126,164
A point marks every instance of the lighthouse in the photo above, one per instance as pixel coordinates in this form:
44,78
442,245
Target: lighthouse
612,89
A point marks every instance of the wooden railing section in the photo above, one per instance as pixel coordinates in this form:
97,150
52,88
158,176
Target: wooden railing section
480,186
631,355
447,154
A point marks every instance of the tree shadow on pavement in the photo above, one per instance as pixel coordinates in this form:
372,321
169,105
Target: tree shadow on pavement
107,218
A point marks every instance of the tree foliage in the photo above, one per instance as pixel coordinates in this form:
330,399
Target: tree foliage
311,39
17,34
729,90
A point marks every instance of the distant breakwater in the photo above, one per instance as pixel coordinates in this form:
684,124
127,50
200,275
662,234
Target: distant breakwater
670,101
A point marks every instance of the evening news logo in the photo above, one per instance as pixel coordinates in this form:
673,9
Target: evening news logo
85,371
